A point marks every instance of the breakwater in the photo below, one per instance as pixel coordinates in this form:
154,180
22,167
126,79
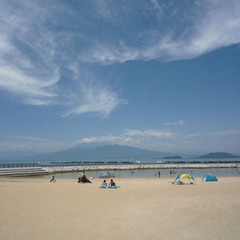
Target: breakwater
22,172
62,169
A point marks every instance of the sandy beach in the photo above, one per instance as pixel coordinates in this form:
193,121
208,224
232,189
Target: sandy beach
145,208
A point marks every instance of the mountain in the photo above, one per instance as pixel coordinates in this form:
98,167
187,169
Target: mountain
218,155
173,157
78,153
93,152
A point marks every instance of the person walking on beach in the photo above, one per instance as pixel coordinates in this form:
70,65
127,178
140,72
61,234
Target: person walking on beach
159,174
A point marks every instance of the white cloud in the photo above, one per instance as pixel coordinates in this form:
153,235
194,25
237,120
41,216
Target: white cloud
110,54
133,138
29,138
32,58
209,25
96,101
34,50
151,133
176,123
90,95
107,139
31,144
26,87
162,140
26,69
193,135
226,133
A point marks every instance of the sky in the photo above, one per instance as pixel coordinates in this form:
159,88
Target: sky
154,74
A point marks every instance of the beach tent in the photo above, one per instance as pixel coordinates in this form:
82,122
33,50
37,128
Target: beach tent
184,178
106,175
209,178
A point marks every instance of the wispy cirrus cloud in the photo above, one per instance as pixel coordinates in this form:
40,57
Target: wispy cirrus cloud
33,61
226,133
29,138
31,144
30,90
176,123
94,100
40,40
203,27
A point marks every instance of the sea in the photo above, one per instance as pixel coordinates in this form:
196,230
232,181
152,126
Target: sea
153,173
144,173
164,173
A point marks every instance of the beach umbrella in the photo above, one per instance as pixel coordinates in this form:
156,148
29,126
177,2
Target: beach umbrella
106,175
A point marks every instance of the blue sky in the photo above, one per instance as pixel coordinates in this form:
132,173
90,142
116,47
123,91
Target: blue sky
160,75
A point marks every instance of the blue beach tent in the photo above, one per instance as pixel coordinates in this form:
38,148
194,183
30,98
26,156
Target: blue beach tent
209,178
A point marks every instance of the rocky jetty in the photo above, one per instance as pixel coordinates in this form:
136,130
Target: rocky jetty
139,166
22,171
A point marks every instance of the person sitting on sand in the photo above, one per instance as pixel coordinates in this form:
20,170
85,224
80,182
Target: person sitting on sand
79,177
83,179
112,183
53,179
104,183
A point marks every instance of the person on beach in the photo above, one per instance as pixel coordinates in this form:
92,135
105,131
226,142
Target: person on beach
79,177
112,183
83,179
53,179
159,174
104,183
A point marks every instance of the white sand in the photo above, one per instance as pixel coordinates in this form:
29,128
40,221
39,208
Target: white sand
139,209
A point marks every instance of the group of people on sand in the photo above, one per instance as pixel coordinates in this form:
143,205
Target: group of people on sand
83,179
159,174
111,184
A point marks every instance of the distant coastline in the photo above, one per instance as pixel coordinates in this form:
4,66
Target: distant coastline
218,155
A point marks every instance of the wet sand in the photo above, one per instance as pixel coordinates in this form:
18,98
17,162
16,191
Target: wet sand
145,208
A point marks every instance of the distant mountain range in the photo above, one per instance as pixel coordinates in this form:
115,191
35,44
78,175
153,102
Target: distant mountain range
173,157
218,155
79,153
86,152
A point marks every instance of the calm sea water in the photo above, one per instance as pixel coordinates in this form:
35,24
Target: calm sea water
219,172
